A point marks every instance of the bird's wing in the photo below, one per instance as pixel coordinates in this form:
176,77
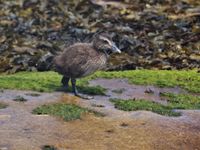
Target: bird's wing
75,58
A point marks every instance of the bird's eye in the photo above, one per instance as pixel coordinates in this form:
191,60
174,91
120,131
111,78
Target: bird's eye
105,41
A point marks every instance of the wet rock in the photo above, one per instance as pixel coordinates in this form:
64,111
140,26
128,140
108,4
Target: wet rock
48,147
5,64
149,91
153,33
97,105
2,39
45,62
20,99
124,124
3,48
33,94
110,131
195,57
119,91
121,62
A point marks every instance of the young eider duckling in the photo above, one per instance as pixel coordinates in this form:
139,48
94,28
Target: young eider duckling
83,59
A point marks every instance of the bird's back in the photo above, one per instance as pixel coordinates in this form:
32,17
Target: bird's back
79,60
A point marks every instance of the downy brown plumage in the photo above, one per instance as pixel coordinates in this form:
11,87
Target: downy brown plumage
83,59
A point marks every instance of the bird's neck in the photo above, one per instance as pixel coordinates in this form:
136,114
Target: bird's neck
100,50
107,55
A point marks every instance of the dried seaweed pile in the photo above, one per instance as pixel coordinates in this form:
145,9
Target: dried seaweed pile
163,34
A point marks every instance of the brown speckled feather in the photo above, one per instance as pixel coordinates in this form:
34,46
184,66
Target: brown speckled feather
80,60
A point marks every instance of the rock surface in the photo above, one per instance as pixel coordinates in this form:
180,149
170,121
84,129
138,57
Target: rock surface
19,129
154,33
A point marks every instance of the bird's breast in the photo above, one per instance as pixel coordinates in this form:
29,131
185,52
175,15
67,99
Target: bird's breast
101,60
94,63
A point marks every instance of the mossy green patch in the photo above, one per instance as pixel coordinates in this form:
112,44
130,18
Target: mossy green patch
38,81
182,101
66,111
175,101
44,82
186,79
50,81
133,105
95,90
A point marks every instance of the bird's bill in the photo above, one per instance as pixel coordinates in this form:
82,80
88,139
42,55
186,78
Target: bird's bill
115,49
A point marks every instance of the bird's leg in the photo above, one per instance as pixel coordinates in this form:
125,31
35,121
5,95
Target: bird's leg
75,91
65,81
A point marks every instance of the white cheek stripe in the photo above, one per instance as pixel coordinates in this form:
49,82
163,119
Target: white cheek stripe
104,38
109,42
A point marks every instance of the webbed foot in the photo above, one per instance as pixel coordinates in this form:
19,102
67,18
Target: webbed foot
83,96
76,93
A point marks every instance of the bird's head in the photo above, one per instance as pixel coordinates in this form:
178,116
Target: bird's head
103,42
